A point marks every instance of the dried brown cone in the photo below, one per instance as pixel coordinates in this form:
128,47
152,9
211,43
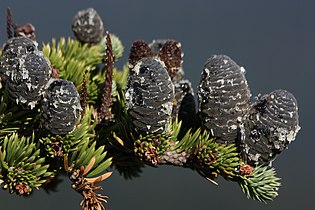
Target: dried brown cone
139,49
106,100
27,30
172,56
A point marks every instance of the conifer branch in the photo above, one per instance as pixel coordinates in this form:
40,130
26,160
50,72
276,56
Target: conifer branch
142,102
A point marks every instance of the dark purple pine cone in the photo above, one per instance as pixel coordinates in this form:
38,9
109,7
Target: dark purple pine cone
271,126
87,26
27,82
149,96
139,49
223,98
19,45
184,107
13,50
61,107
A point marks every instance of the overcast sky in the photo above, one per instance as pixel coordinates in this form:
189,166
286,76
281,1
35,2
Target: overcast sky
273,40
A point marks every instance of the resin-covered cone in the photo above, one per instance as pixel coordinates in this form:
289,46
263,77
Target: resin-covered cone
87,26
271,126
19,45
223,97
149,97
13,50
61,107
184,108
27,82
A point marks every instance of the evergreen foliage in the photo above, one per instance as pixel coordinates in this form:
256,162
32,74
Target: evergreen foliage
31,156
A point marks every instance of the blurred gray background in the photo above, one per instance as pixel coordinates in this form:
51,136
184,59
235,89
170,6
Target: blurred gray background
273,40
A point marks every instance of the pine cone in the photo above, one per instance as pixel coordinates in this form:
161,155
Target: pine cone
172,56
139,49
185,108
13,49
223,98
61,107
87,26
27,81
169,51
149,97
271,126
19,45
